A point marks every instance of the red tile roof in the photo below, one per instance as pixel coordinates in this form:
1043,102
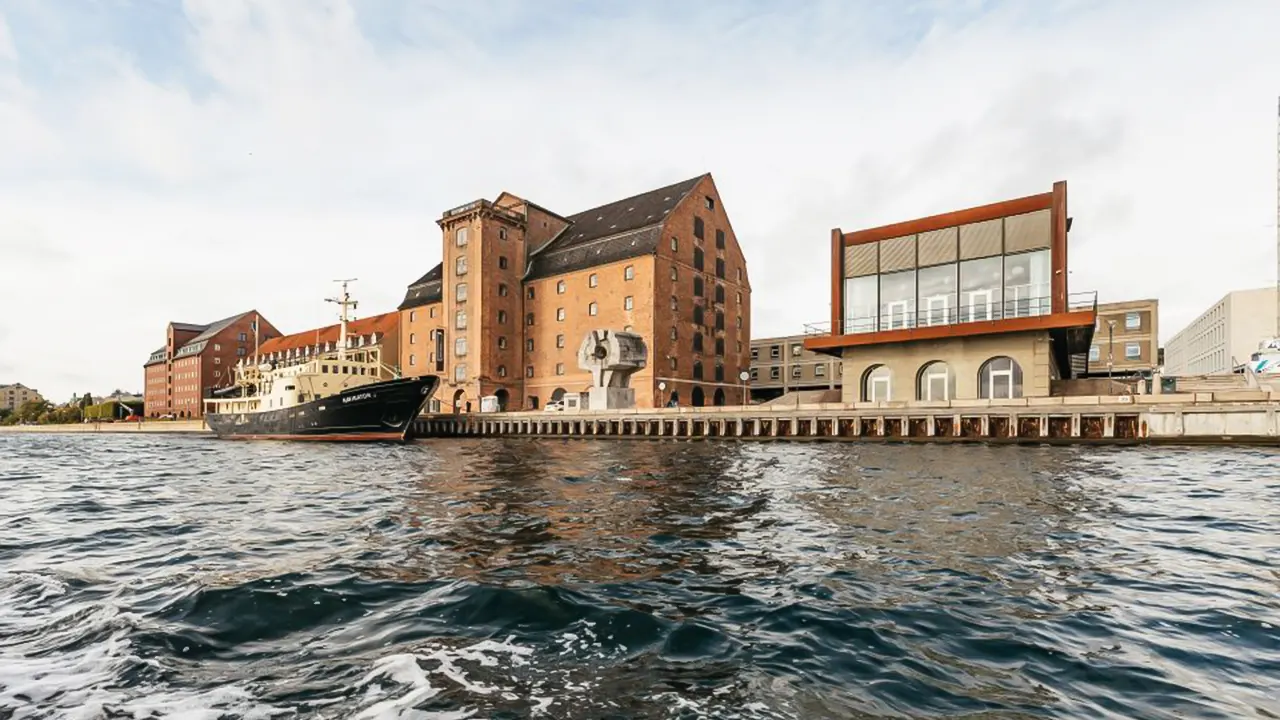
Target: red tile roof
381,324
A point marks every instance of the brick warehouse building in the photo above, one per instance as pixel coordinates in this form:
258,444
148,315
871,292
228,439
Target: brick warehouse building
197,359
520,286
380,331
971,304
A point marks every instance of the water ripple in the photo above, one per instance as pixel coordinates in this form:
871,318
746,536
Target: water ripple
180,577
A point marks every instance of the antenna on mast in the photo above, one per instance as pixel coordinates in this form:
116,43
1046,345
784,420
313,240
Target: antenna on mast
343,302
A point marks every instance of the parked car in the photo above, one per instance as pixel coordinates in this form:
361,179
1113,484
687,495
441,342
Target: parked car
554,406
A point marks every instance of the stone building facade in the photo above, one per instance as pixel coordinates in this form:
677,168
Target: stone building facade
197,359
13,396
520,286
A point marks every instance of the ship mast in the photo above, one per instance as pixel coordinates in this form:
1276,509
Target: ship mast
343,302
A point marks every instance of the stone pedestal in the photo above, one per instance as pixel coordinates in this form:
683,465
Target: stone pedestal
610,398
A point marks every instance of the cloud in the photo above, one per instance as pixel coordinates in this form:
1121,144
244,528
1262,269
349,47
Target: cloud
190,162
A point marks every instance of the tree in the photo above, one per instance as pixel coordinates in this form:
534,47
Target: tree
86,401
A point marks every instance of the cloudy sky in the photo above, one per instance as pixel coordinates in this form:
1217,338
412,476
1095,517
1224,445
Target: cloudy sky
162,160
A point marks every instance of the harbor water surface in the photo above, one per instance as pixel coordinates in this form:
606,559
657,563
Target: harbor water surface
187,577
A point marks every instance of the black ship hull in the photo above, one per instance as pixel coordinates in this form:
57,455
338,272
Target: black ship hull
382,411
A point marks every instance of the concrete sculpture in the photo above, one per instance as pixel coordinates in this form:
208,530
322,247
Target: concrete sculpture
612,357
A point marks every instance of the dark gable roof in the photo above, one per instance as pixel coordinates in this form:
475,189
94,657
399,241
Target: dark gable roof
425,290
189,327
196,344
157,356
619,230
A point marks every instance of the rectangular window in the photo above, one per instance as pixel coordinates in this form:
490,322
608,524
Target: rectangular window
937,303
775,373
981,289
675,274
460,292
1095,354
559,368
528,292
719,320
593,280
413,338
720,267
502,317
719,346
528,371
697,286
675,304
698,318
460,236
629,272
755,373
459,372
1132,321
698,261
593,309
433,312
460,346
528,319
460,320
502,262
560,287
628,303
775,351
861,298
898,300
559,341
560,314
528,345
819,370
697,342
698,230
675,244
709,202
460,265
217,361
502,342
795,372
755,353
720,239
1026,284
1132,351
502,290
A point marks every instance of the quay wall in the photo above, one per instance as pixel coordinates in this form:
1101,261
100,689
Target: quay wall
187,427
1243,417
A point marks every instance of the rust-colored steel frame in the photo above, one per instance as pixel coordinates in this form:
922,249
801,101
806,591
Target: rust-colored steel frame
1055,202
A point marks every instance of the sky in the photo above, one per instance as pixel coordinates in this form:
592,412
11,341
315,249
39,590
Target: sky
185,161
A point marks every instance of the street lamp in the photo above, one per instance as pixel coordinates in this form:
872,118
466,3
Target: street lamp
744,376
662,394
1111,329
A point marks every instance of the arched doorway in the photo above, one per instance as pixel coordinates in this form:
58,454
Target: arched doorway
459,398
557,395
1000,378
936,382
877,384
674,400
719,396
697,398
504,397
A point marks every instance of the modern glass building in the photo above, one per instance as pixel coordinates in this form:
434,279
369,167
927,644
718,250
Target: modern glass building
967,304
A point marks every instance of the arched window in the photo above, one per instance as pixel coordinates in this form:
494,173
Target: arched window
719,396
936,382
697,397
697,370
1000,377
877,384
557,395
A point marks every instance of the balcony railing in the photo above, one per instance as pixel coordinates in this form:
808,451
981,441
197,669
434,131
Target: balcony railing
905,316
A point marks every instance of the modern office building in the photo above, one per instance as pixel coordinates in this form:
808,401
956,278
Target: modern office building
1224,336
780,365
13,396
520,287
1126,340
197,359
967,304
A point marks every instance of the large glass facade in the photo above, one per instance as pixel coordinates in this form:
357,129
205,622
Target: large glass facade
981,283
860,302
898,300
938,301
941,290
1026,284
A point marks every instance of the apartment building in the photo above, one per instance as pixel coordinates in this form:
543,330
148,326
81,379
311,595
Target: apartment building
780,365
520,286
197,359
1224,336
1126,340
13,396
967,304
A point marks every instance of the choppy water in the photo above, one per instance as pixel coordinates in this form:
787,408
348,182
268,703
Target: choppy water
182,577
